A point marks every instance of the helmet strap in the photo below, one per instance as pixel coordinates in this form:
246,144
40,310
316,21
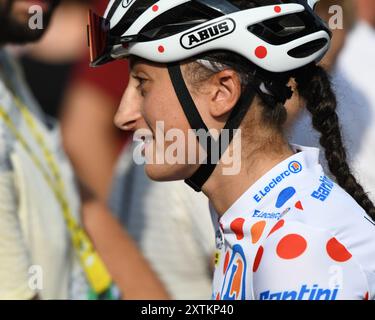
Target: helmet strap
199,178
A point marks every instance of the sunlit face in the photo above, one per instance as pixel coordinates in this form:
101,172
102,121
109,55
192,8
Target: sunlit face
18,19
148,99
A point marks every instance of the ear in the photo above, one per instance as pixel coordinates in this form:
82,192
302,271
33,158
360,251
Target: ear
224,92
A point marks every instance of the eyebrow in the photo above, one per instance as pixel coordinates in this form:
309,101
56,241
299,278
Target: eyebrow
133,60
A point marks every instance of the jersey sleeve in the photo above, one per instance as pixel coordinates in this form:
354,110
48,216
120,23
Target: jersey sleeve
299,262
14,256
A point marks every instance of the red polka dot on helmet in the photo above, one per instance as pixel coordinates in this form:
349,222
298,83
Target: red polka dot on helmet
261,52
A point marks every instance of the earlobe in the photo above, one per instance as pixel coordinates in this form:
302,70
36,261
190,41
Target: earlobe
226,90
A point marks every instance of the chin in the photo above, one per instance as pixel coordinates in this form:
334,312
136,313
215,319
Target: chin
164,173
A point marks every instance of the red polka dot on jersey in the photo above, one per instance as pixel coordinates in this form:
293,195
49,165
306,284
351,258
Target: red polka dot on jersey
237,227
337,251
161,49
257,231
277,9
155,8
298,205
258,258
291,246
226,261
276,227
261,52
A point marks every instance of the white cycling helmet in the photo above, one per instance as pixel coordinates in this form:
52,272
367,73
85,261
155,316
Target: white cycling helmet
274,36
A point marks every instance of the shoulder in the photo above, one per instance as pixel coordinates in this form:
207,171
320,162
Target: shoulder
300,261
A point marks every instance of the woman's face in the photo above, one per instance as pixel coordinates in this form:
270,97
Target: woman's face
150,108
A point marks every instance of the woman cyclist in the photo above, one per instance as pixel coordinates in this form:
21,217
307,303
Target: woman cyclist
284,229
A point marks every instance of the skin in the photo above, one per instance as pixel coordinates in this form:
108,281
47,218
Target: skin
366,11
71,45
86,121
143,104
19,9
15,16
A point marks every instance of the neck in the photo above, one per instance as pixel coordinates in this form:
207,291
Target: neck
224,190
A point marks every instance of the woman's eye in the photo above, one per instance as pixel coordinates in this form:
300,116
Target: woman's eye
141,82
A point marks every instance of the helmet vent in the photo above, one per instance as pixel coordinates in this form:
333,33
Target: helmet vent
281,30
178,19
308,49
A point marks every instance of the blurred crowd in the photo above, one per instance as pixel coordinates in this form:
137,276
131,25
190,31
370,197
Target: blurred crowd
156,240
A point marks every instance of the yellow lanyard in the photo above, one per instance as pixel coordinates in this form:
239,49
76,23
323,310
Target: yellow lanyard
94,268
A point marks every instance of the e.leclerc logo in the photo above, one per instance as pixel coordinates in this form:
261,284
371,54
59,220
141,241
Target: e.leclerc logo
207,33
293,167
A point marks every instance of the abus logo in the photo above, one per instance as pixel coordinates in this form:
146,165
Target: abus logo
127,3
207,33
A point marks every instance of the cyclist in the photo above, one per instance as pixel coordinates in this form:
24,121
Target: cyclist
284,229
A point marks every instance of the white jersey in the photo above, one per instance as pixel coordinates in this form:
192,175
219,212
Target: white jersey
295,234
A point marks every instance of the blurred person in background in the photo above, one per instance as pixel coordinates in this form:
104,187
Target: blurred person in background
47,64
352,69
91,140
329,61
174,233
46,251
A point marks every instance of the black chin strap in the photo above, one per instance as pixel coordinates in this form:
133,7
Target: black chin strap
199,178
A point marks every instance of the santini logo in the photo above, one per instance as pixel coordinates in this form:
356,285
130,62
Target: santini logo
302,293
324,190
207,33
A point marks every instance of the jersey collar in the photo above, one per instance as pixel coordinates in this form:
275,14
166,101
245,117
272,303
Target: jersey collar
275,188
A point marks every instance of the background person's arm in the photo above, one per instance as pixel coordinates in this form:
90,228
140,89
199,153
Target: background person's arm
128,268
90,139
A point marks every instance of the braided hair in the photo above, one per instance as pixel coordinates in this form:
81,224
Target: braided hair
314,86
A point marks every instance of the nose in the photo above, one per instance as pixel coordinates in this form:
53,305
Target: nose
128,113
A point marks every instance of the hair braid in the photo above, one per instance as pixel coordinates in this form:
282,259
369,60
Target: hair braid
315,87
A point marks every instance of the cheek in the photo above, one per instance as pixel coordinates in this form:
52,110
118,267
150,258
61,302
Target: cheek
163,106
